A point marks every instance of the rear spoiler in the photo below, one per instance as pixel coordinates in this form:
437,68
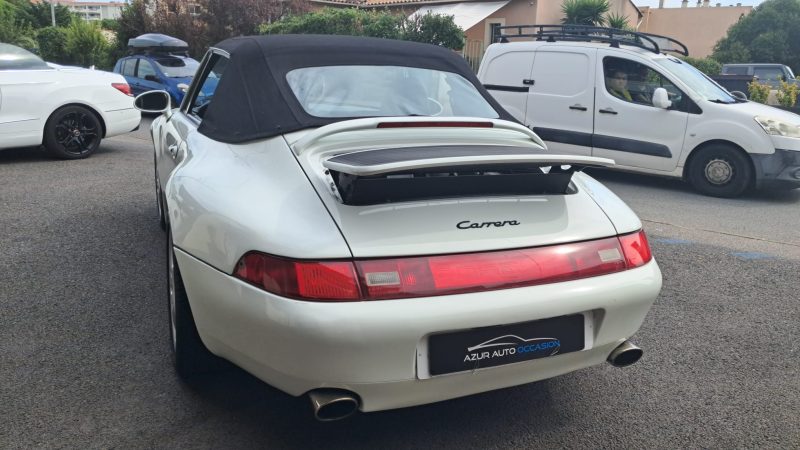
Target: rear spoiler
374,123
390,175
383,161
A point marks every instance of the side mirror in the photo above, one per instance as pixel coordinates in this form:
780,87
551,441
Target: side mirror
152,78
183,87
740,95
153,102
661,98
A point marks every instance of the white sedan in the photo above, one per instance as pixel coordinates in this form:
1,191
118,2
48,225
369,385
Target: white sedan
357,220
68,109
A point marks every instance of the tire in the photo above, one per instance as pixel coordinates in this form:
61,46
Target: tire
190,355
720,170
72,132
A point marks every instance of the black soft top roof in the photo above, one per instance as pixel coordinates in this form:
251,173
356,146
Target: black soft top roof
254,101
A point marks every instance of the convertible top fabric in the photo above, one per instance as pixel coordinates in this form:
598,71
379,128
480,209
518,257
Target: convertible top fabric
254,101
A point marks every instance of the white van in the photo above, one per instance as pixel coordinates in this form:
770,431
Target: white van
613,94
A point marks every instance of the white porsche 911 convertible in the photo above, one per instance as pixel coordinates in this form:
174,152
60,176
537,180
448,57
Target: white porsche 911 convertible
358,220
68,109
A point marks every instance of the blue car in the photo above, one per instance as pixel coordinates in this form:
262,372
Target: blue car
158,71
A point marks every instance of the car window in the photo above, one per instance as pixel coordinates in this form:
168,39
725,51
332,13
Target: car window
15,58
635,83
768,73
208,85
129,67
375,91
736,70
177,67
145,69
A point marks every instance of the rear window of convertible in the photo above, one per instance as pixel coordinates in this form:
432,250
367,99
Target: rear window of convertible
370,91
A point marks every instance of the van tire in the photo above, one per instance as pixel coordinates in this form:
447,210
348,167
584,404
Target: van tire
720,170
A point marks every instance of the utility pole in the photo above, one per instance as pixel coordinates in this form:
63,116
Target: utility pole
53,11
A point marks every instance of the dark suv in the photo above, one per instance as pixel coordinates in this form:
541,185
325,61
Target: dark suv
771,74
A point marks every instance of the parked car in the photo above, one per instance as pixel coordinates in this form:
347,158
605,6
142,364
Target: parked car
356,219
674,121
771,74
158,62
68,109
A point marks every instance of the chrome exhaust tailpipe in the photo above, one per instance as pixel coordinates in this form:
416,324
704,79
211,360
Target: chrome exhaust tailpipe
333,404
624,355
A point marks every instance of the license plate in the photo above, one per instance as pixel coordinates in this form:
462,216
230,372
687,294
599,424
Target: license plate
504,344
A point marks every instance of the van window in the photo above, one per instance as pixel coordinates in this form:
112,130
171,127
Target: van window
768,74
736,70
561,73
633,82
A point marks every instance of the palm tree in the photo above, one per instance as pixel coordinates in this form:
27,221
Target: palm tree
619,21
584,12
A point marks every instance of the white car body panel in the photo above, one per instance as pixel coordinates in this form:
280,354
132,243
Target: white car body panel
29,97
682,133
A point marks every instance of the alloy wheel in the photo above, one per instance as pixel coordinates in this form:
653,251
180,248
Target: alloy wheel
76,132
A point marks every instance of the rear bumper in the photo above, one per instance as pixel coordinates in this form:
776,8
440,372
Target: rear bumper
121,121
779,170
376,349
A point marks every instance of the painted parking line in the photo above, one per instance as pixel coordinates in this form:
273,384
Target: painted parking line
749,256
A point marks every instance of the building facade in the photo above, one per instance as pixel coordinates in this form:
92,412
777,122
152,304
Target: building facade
93,10
699,27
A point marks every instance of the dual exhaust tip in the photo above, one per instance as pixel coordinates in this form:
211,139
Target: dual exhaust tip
336,404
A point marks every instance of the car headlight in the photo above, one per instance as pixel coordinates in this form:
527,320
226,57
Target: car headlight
777,128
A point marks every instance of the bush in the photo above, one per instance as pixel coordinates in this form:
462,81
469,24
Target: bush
14,29
86,46
52,44
430,28
758,92
708,66
585,12
787,94
433,29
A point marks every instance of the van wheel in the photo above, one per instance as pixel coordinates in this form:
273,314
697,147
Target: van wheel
720,171
72,132
190,354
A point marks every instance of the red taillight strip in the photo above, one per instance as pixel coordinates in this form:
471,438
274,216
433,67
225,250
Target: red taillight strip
381,279
435,125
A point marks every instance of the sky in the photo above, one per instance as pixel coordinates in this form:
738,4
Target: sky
677,3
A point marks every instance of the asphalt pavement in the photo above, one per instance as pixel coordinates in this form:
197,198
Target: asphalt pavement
84,341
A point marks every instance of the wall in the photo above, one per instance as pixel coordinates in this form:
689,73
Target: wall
697,28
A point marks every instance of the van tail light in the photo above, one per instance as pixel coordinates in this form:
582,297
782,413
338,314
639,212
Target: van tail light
382,279
123,87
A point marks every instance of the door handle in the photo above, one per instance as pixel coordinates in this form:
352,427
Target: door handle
173,150
608,111
578,107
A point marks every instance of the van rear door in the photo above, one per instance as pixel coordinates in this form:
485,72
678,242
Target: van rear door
561,99
506,75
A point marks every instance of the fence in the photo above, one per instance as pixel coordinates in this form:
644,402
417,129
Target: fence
473,53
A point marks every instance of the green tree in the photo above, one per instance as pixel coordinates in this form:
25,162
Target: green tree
14,27
585,12
41,15
431,29
708,66
86,46
52,44
618,21
769,34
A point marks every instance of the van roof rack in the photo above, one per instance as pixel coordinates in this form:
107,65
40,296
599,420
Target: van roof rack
584,33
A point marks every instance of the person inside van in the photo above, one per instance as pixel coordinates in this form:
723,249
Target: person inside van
617,85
